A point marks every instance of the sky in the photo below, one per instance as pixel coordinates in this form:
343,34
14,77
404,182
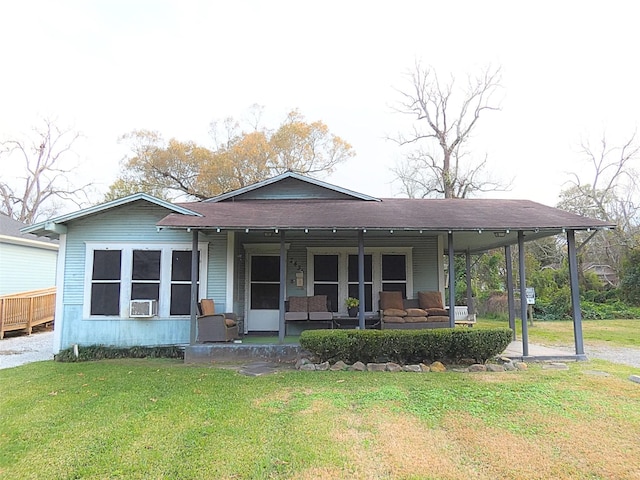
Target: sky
570,74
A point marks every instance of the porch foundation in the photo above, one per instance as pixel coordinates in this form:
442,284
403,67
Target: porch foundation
230,352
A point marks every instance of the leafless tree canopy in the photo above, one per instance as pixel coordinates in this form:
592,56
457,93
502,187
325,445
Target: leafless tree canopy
445,117
45,181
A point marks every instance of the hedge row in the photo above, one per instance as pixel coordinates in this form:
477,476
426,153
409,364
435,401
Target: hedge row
406,346
101,352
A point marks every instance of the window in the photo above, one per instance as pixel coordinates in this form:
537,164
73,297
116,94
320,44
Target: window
118,273
335,273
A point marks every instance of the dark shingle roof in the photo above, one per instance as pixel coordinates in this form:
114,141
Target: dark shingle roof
11,228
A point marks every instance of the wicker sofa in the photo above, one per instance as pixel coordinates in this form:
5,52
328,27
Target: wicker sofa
426,311
314,309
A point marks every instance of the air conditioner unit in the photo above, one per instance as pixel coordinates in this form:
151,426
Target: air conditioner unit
143,308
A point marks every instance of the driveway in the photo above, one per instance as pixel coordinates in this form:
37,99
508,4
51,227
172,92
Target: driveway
18,349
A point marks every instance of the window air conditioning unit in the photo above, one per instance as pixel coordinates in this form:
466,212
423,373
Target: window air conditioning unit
143,308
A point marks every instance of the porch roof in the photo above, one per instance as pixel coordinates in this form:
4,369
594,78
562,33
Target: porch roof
465,217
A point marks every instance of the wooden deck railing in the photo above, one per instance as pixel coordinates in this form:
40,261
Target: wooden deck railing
25,310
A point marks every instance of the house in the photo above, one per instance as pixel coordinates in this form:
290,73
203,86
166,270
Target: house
27,262
286,236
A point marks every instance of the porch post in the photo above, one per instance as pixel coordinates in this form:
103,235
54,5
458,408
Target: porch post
452,283
194,286
361,307
575,293
283,287
510,302
470,300
523,295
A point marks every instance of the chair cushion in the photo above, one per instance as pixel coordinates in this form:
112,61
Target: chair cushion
320,316
294,316
416,312
229,322
394,312
391,300
430,300
317,303
207,306
297,304
393,319
437,312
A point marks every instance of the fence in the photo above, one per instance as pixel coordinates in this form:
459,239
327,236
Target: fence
23,311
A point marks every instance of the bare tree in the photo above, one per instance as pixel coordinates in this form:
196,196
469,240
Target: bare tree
440,164
45,182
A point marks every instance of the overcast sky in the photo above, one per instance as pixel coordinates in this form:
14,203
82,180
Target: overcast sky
570,73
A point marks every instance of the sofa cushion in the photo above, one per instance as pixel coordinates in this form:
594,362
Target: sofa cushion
294,316
416,312
438,318
393,319
317,303
430,300
320,316
394,312
415,319
298,304
391,300
437,311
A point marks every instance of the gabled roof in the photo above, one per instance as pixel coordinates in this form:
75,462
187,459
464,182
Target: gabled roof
281,179
51,227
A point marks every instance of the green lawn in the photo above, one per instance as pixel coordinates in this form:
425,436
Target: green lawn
160,419
623,333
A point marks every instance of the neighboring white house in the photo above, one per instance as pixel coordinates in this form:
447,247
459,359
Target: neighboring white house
27,262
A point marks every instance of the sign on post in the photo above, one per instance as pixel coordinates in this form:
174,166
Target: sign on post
531,296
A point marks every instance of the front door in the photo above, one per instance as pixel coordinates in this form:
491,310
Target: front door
264,293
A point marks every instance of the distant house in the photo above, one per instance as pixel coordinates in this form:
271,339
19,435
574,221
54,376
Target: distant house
287,236
27,262
605,273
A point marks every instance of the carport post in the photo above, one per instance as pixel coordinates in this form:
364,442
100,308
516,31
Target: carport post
575,292
283,288
523,295
452,283
510,302
194,286
361,321
470,301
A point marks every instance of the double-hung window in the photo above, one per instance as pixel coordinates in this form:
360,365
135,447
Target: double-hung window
118,273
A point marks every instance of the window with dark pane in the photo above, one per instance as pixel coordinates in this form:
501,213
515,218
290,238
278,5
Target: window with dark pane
180,299
265,268
180,302
331,291
106,264
325,268
265,296
181,266
105,282
394,274
146,265
265,282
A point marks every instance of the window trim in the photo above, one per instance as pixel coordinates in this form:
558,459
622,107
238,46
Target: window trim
126,265
343,269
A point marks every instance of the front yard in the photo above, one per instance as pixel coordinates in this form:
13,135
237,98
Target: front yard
162,419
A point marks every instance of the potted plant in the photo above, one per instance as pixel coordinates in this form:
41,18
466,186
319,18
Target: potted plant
352,306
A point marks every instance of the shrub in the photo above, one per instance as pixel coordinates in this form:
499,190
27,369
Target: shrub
405,346
101,352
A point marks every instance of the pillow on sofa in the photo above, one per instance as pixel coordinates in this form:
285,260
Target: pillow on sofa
432,312
394,312
416,312
391,300
430,300
317,303
393,319
297,304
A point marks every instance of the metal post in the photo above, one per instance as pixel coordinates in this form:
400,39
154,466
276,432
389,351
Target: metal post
510,302
361,321
470,300
523,295
575,293
194,287
452,283
283,288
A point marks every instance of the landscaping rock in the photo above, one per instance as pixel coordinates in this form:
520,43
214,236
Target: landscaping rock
302,361
521,365
555,366
437,367
477,367
323,367
339,366
424,367
509,366
635,378
412,368
393,367
376,367
597,373
358,367
493,367
307,367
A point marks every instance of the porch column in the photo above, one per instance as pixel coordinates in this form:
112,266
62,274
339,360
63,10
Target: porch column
523,295
194,286
470,300
452,283
575,293
510,303
283,287
361,306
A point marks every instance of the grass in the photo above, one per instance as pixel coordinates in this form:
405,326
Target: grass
621,333
161,419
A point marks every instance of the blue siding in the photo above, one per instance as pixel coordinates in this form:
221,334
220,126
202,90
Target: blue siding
217,270
24,268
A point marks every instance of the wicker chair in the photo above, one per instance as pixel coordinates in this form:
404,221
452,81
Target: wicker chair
215,327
